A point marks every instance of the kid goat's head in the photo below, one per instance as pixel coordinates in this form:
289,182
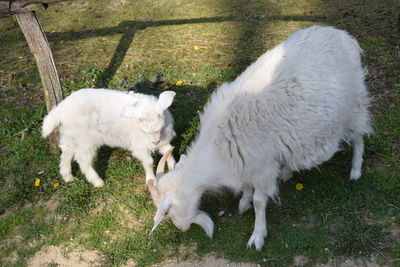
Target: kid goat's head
149,114
177,202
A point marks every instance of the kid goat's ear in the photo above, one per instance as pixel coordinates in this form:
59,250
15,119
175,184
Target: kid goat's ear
165,99
130,111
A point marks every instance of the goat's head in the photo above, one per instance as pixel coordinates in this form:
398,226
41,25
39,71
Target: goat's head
149,115
172,199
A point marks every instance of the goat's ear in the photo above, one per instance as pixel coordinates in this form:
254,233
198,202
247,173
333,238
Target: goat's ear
130,111
162,209
205,222
181,161
165,99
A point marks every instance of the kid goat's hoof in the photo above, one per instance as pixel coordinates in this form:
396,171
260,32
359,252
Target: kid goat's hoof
98,183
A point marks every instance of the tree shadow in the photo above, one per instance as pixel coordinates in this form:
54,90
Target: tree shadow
128,30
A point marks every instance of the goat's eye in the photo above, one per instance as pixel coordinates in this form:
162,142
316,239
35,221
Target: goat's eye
158,116
141,119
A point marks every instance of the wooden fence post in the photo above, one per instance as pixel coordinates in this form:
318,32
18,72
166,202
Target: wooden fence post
40,48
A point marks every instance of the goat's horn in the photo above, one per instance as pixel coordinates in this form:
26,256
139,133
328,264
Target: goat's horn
161,163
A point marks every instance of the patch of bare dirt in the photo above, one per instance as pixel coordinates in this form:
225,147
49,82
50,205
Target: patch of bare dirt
12,258
208,260
300,260
116,4
52,204
349,262
57,256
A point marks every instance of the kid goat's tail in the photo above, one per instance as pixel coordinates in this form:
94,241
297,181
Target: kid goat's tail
51,122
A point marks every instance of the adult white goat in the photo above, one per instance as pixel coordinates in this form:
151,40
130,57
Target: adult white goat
291,108
90,118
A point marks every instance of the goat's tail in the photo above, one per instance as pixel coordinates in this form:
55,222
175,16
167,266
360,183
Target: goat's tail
51,122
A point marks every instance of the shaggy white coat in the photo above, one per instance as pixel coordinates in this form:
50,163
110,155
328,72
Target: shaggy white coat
90,118
291,108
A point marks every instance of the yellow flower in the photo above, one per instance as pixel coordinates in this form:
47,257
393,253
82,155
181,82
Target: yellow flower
179,83
299,186
37,182
196,48
21,57
165,87
55,185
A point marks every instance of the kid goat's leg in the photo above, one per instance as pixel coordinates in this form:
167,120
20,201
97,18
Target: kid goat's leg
84,157
358,150
67,153
147,161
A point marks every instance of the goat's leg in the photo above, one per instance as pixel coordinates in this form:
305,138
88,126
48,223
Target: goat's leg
67,153
147,162
286,174
358,150
260,200
84,157
170,161
245,200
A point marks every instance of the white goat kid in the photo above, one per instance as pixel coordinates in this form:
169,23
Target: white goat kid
90,118
292,107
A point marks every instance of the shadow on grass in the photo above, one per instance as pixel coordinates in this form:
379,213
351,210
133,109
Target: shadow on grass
129,28
100,164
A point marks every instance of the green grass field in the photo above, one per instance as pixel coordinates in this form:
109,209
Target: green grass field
140,45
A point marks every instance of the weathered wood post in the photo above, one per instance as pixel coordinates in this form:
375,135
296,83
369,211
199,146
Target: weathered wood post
22,10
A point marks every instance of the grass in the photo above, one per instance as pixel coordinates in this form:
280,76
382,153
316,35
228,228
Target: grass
143,45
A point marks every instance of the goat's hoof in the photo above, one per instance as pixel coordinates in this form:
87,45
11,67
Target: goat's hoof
151,181
257,240
68,179
98,183
355,174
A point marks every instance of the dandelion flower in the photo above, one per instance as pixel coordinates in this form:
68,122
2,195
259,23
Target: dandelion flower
299,186
196,48
179,83
21,57
37,182
55,185
165,87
